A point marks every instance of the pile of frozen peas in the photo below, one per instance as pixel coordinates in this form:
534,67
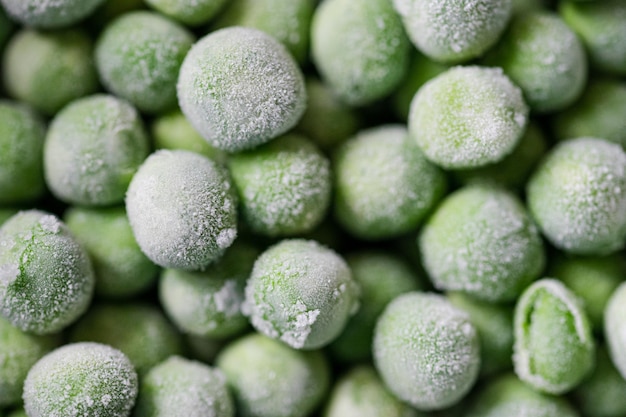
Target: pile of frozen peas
292,208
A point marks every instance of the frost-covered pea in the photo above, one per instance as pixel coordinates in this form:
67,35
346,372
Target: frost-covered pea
454,31
545,58
614,328
577,196
182,209
359,48
47,70
140,331
93,148
554,348
361,393
289,21
50,14
599,113
481,241
180,387
382,277
121,268
494,324
301,293
239,88
46,279
189,12
507,396
600,25
269,379
138,57
602,393
284,186
22,134
384,186
468,117
593,279
426,350
208,303
18,353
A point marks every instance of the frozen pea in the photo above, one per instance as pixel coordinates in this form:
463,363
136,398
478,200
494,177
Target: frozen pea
180,387
182,209
239,88
189,12
382,277
208,303
454,31
288,21
577,196
426,350
593,279
494,324
284,186
301,293
507,396
81,379
514,170
121,268
138,330
361,393
93,148
554,347
481,241
327,120
22,134
599,113
384,186
359,48
173,131
18,353
269,379
614,328
602,393
47,70
138,57
600,25
468,117
46,279
545,58
50,14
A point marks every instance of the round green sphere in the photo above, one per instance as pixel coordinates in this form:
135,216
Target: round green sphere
46,14
284,186
426,351
614,326
46,279
577,196
189,12
468,117
384,185
481,241
138,57
22,135
182,209
301,293
93,148
81,379
239,88
47,70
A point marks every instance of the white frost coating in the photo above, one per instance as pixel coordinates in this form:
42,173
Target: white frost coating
454,31
426,350
67,382
578,196
182,209
49,13
615,328
292,294
240,87
191,12
468,117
